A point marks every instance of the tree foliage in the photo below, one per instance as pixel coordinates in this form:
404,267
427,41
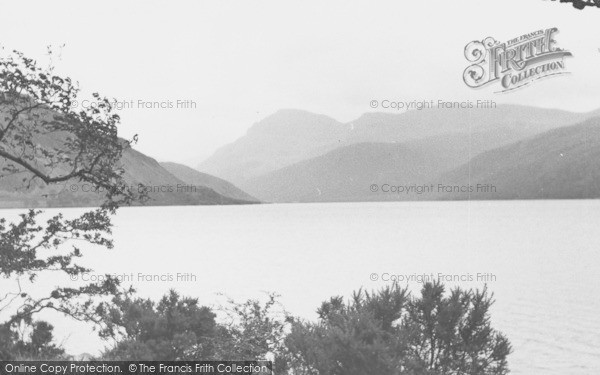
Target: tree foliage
382,332
175,328
178,328
36,344
388,332
45,140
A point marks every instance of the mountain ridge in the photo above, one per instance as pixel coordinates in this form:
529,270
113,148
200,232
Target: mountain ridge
296,138
450,161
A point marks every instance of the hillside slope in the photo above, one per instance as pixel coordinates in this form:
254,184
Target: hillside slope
560,164
347,173
163,188
193,177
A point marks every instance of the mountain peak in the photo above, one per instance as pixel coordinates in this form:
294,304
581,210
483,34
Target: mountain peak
294,121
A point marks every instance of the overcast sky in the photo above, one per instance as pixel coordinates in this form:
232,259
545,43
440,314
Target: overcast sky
243,60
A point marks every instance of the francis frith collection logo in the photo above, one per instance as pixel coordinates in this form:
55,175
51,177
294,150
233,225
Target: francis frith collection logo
515,63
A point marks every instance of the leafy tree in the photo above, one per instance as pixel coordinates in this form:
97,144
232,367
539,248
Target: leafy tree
45,140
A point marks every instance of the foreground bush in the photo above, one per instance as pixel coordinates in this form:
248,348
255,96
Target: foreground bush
175,328
388,332
33,342
383,332
178,328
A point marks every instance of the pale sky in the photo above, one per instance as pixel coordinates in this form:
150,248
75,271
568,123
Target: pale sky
243,60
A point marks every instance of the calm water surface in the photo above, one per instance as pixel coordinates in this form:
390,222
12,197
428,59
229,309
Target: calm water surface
541,257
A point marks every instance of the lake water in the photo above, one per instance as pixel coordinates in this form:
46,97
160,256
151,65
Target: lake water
542,259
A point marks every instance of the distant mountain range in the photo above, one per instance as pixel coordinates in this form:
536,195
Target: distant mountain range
296,156
510,152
